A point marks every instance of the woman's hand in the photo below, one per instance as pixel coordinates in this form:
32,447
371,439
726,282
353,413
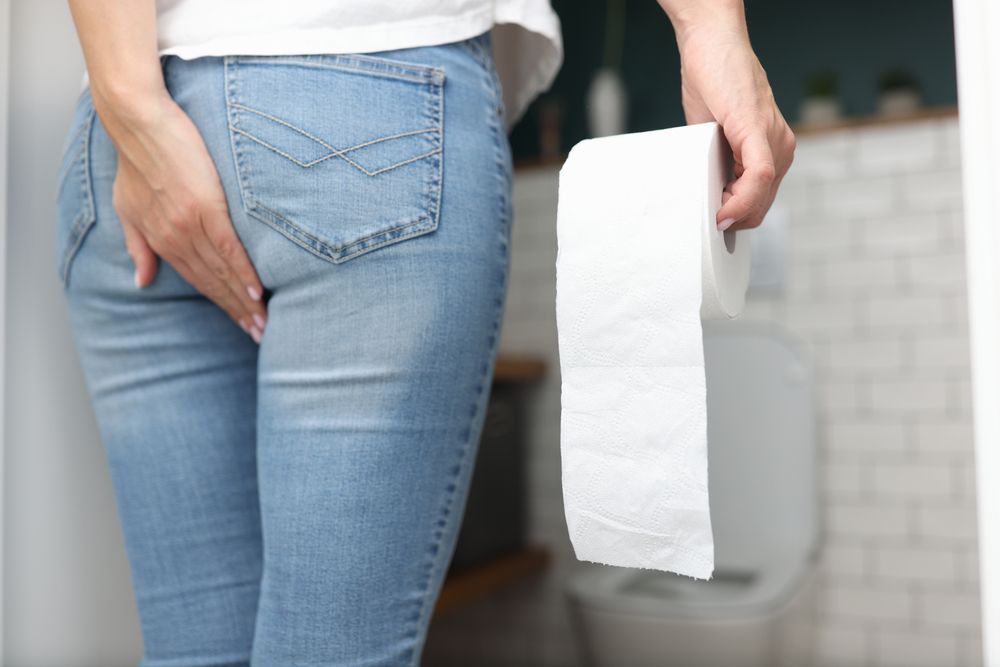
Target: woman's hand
722,80
167,191
170,201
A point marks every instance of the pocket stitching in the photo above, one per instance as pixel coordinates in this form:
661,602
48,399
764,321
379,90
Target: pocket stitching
433,79
355,63
86,216
334,152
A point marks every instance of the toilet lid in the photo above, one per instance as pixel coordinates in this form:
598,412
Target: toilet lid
762,485
729,593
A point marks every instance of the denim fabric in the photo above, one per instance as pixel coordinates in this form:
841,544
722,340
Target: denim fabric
298,503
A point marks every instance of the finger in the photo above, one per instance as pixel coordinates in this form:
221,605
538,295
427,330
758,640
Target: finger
230,249
142,254
218,290
185,258
753,188
249,311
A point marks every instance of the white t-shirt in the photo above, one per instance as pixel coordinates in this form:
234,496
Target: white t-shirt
527,42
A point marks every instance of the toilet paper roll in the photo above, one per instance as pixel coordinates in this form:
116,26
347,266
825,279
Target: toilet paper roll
640,262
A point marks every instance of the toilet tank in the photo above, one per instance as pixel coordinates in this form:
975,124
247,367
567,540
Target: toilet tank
762,473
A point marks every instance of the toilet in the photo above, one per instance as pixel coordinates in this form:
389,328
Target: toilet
755,610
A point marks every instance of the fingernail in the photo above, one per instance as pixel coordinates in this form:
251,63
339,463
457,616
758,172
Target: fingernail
243,325
726,224
137,278
259,320
255,332
253,292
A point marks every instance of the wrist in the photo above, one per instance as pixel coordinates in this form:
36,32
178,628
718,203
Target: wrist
692,19
130,103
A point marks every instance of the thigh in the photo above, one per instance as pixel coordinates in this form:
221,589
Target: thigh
373,195
173,386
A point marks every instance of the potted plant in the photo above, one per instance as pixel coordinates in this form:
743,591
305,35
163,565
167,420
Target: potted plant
821,105
899,93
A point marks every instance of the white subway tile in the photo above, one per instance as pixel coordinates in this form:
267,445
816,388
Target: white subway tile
911,480
865,520
949,608
855,601
943,435
935,190
964,474
916,396
872,196
971,646
956,523
859,274
899,234
911,648
843,561
820,158
866,436
954,226
851,358
903,313
929,271
938,351
951,144
842,645
897,149
842,480
916,563
962,395
822,318
814,236
840,398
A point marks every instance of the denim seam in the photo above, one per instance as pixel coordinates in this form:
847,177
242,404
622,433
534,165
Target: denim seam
87,216
342,253
197,660
436,565
336,153
72,141
356,63
337,253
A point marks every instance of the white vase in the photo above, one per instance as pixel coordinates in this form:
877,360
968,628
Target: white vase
819,111
607,103
899,102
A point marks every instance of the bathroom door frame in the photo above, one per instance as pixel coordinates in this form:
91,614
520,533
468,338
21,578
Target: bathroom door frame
978,57
4,107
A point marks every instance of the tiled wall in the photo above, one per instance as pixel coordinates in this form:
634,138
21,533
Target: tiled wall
875,293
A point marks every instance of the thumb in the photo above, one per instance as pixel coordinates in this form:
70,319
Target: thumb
142,255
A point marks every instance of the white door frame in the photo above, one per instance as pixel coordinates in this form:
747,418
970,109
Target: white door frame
977,22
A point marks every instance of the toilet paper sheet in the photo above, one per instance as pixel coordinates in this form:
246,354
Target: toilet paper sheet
640,262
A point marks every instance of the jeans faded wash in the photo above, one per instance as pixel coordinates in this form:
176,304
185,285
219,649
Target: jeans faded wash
298,502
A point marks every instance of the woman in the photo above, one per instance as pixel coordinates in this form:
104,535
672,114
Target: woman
333,178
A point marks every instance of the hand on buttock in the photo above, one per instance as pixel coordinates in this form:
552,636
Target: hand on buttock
171,204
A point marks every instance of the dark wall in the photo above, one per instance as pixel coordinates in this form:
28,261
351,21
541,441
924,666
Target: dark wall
857,39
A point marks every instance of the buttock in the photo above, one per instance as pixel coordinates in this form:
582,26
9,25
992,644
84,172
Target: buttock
327,160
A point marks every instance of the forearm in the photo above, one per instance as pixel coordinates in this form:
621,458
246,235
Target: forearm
118,39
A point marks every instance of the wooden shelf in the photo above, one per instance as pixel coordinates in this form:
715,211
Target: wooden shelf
477,582
854,122
518,369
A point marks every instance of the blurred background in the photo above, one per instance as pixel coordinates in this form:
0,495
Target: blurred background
858,285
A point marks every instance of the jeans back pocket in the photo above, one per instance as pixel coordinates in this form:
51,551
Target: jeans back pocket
76,212
340,153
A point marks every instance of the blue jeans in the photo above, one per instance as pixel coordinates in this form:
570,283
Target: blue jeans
298,502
